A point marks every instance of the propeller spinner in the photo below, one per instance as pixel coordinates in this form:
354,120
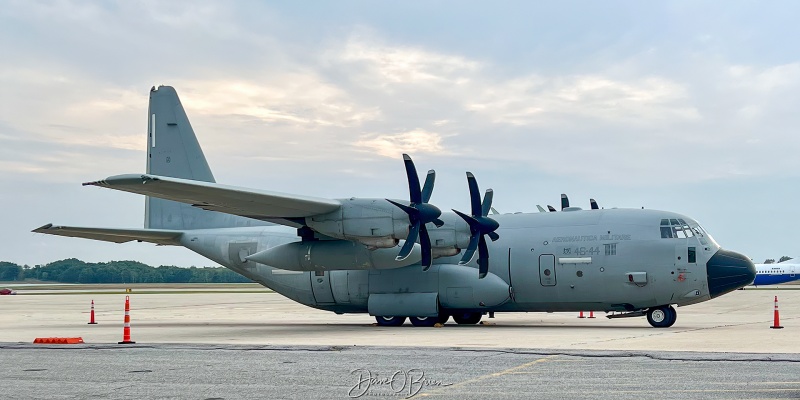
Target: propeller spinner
479,226
420,212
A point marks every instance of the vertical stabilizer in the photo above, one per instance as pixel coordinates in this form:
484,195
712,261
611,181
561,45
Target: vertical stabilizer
172,146
173,150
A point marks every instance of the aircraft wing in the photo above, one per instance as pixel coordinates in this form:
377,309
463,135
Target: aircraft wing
157,236
252,203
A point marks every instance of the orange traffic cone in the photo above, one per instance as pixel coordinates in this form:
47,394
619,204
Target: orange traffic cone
776,324
581,315
591,314
126,330
91,315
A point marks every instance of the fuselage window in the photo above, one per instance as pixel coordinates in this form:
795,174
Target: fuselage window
666,232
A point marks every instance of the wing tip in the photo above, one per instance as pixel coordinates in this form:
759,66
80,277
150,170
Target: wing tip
43,228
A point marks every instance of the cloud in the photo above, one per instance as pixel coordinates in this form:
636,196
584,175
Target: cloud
385,64
393,145
536,100
302,99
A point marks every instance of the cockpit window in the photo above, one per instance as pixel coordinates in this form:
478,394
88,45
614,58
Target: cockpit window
678,228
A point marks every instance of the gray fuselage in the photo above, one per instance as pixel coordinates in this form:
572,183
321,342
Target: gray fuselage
599,260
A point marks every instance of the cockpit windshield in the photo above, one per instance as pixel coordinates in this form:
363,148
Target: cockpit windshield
678,228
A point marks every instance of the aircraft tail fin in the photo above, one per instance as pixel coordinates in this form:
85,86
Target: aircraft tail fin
173,150
172,146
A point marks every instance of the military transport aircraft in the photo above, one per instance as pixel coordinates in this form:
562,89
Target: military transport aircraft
398,259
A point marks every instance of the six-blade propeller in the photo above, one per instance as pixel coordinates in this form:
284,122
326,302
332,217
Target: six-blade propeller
479,226
420,212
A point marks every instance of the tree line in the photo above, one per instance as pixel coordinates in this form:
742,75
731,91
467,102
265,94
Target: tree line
772,260
76,271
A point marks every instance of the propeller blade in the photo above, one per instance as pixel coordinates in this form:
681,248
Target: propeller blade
408,210
470,251
474,194
471,221
487,202
413,180
550,208
479,226
483,258
594,204
494,211
410,240
540,208
420,212
564,201
427,190
425,242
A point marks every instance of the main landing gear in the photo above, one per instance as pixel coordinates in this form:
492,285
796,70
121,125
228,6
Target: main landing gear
461,318
662,317
390,321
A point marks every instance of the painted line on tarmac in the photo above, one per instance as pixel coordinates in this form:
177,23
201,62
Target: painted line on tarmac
511,370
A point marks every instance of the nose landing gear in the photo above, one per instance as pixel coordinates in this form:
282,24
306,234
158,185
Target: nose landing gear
662,317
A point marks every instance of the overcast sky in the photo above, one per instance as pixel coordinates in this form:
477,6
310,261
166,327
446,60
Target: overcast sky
687,106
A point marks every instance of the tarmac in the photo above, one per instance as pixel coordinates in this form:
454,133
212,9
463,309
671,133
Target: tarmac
249,344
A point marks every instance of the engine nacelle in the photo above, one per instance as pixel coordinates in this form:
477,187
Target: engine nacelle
377,223
454,234
373,222
328,255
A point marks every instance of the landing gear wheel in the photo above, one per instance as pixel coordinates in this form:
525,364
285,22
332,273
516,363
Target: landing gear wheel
443,317
390,321
467,318
423,321
673,317
662,317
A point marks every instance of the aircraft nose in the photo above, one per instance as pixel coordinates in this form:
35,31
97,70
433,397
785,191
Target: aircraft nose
728,271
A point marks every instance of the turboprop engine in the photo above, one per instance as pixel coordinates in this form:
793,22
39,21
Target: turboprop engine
382,223
328,255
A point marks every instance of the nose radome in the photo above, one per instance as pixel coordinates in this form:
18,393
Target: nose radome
728,271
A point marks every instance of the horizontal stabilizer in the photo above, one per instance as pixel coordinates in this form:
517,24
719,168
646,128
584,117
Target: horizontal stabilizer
157,236
251,203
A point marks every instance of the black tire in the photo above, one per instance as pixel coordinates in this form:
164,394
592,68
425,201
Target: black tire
467,318
423,321
443,318
673,317
662,317
390,321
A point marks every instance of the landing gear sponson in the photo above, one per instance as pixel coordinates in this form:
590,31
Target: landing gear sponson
658,317
461,318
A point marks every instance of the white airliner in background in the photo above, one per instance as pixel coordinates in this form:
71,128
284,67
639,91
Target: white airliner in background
773,274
